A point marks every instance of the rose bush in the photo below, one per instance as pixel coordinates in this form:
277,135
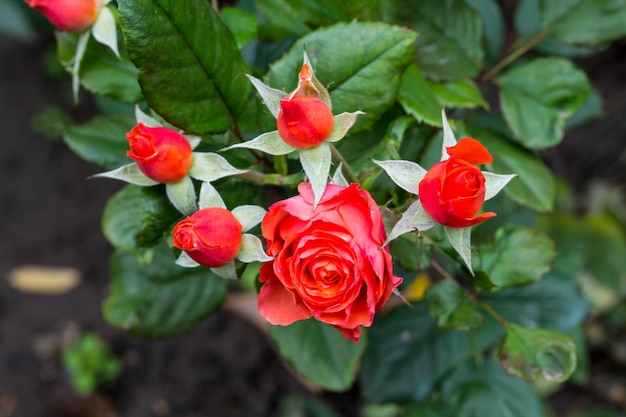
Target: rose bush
211,236
387,80
163,154
69,15
329,261
452,191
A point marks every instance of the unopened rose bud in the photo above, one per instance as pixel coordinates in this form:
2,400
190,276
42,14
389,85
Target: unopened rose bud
69,15
452,191
211,236
304,121
163,154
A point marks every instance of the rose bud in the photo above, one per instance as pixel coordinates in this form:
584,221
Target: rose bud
69,15
211,236
452,191
329,262
163,154
304,121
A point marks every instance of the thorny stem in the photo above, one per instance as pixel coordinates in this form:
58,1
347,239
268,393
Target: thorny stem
442,271
513,56
492,312
338,158
270,179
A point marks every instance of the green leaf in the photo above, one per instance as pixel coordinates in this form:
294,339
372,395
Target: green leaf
407,354
242,24
537,96
137,217
157,215
603,20
450,43
534,185
190,69
594,245
590,109
282,19
493,25
319,352
486,391
160,299
462,93
517,256
121,219
318,12
100,70
425,409
363,10
417,98
538,354
605,251
449,304
553,303
364,76
102,141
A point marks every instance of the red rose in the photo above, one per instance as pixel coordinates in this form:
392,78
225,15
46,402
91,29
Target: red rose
329,262
304,121
163,154
452,191
69,15
211,236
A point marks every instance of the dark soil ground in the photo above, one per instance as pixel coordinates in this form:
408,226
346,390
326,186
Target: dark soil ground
50,216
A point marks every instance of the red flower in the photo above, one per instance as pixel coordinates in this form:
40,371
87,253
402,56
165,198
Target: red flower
304,121
329,262
163,154
69,15
211,236
452,191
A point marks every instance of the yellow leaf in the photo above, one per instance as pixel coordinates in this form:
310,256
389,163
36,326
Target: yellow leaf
415,291
44,280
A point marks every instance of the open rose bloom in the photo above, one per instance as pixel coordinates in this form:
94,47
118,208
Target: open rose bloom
451,192
329,262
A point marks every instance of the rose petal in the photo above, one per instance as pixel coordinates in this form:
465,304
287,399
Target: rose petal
353,334
458,222
470,150
275,303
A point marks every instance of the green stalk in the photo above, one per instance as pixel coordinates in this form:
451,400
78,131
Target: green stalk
338,158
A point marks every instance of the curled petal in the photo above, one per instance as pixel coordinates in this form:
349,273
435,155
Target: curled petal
276,303
471,151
